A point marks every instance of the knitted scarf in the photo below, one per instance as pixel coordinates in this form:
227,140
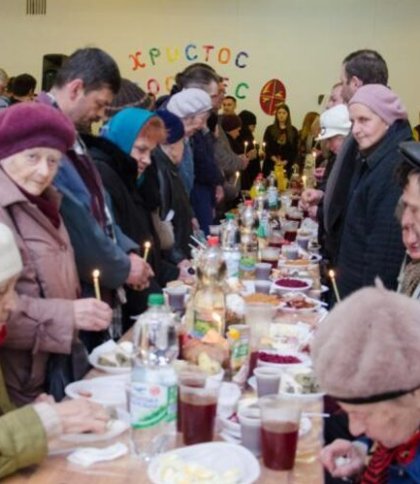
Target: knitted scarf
411,278
377,471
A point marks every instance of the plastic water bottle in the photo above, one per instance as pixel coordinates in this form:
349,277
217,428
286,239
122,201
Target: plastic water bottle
153,389
209,305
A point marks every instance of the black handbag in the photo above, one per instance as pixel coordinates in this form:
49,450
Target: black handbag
64,369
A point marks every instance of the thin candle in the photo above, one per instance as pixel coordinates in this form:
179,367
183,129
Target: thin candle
237,176
331,275
95,276
147,246
245,147
304,181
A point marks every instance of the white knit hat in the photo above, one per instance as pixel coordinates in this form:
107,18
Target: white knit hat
189,102
335,121
10,260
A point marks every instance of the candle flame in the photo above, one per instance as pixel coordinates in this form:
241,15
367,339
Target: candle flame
96,273
147,245
331,274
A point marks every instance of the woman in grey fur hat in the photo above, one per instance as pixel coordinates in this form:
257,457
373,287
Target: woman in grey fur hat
366,356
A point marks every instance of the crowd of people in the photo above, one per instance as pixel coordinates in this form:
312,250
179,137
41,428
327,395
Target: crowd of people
160,170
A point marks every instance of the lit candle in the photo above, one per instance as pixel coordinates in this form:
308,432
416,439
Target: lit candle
95,275
314,154
304,181
245,146
255,144
334,285
147,246
237,176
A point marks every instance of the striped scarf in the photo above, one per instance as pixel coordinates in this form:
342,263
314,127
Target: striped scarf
377,471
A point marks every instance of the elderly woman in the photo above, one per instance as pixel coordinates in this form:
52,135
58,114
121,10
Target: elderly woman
408,215
370,243
366,356
48,314
24,433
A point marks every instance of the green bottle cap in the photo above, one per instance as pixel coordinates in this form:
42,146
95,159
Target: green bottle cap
155,300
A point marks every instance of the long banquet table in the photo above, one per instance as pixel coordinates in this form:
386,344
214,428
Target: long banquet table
55,469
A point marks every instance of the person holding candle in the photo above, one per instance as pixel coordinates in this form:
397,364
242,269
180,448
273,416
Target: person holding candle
231,124
83,89
246,135
25,433
281,140
366,355
123,157
370,244
48,313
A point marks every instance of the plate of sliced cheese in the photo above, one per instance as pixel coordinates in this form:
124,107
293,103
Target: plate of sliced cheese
210,463
111,357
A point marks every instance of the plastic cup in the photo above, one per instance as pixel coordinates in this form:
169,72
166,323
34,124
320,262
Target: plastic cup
250,421
291,252
303,241
215,229
198,406
176,298
258,316
270,255
268,380
262,271
280,419
290,231
263,287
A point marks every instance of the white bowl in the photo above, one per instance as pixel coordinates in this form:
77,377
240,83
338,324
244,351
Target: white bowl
305,361
304,287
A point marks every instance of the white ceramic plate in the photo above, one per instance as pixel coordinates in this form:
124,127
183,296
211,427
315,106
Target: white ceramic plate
100,350
217,456
117,428
316,305
109,391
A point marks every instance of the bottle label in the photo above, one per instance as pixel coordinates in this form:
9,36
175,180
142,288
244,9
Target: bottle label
151,404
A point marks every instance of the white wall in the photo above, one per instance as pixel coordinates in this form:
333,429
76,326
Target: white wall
301,42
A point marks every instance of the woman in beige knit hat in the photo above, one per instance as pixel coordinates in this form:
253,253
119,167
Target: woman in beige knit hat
24,433
366,356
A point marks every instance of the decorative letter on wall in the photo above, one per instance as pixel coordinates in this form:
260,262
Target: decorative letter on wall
187,52
136,61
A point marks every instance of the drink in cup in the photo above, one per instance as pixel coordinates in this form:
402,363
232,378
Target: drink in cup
270,255
290,231
192,379
280,418
176,298
198,411
268,380
262,271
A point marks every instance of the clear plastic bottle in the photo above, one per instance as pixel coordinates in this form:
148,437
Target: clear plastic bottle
249,244
152,401
209,305
230,234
